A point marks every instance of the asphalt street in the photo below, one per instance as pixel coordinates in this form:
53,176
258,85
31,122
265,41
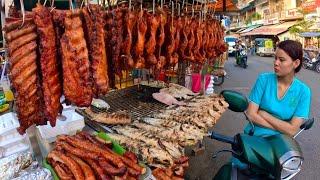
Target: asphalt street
204,167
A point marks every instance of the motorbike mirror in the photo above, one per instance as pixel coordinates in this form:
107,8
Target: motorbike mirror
237,101
307,124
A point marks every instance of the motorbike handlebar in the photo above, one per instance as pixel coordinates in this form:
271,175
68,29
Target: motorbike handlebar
222,138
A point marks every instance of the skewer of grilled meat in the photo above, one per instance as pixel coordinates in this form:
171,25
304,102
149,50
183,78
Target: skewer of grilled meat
50,84
142,29
153,24
23,72
76,71
130,20
95,23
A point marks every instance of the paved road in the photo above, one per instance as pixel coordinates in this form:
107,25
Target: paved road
204,167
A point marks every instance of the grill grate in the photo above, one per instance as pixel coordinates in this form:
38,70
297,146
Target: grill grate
136,101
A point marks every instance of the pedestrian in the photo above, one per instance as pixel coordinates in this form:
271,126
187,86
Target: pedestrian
279,101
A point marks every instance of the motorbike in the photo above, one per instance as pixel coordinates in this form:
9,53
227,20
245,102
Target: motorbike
242,57
311,63
274,157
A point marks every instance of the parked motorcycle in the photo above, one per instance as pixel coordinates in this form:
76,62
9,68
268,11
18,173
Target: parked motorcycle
275,157
242,57
311,63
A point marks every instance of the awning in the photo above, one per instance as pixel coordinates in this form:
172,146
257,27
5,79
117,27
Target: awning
271,29
249,29
310,34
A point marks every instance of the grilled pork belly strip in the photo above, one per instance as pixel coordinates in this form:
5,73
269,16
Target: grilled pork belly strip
23,72
51,86
76,70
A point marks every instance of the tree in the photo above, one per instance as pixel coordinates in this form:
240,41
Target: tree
301,26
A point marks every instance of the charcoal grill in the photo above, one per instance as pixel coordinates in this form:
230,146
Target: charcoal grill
135,100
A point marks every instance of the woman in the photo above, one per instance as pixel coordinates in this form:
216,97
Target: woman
279,102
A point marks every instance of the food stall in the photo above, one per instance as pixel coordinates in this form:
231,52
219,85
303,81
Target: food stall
78,109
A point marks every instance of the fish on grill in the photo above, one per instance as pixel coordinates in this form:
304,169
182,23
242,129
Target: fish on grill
23,71
50,83
75,63
95,23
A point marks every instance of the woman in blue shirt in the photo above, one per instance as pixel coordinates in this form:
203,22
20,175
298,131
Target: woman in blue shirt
279,102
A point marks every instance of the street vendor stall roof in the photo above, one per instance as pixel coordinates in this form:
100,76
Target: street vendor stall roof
250,28
272,30
310,34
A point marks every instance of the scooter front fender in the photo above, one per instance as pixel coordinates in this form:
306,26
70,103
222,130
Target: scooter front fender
224,173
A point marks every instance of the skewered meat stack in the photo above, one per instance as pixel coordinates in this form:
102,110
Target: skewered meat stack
75,63
23,72
51,85
94,22
139,47
87,157
150,46
130,20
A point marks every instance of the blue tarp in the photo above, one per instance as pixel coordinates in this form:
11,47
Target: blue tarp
310,34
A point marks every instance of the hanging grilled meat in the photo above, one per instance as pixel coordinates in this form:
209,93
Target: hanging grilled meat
179,25
116,40
76,70
95,23
191,40
142,29
161,62
150,46
198,41
23,72
50,83
130,21
170,40
184,39
204,40
108,35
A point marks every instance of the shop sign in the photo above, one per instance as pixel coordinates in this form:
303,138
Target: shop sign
309,6
271,21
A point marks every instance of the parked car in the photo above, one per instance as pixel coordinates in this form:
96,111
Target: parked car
264,47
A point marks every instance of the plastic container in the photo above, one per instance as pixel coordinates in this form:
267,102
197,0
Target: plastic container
46,134
10,140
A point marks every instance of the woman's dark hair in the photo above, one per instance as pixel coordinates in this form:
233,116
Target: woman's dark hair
294,50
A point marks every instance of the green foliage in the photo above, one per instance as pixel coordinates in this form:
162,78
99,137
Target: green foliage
301,26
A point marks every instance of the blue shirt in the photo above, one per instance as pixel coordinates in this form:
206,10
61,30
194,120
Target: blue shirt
294,103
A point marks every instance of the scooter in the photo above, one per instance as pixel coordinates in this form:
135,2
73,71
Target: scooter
311,63
242,57
274,157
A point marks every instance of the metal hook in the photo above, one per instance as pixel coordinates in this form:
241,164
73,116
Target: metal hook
161,4
182,4
153,6
45,2
52,3
82,3
129,5
88,5
70,5
179,10
23,13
